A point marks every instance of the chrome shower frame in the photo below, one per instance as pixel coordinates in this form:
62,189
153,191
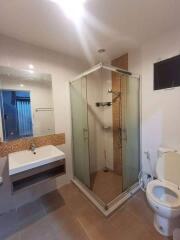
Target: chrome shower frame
107,209
107,67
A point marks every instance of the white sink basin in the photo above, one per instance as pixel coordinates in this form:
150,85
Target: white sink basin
26,160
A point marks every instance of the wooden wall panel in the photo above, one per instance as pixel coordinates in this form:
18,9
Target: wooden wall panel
121,62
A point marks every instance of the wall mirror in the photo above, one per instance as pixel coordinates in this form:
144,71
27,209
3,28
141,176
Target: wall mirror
26,104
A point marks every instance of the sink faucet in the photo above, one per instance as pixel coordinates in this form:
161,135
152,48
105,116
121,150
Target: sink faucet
32,147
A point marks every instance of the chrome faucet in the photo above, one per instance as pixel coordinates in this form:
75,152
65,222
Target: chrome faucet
32,147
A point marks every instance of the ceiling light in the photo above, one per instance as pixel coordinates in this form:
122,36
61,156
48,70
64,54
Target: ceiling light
73,9
21,85
31,66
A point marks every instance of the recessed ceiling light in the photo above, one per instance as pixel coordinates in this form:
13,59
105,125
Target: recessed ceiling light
31,66
21,85
73,9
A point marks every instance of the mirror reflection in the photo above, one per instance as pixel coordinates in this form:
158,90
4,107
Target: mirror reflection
26,104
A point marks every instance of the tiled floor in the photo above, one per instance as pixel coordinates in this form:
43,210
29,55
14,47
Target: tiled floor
107,185
67,215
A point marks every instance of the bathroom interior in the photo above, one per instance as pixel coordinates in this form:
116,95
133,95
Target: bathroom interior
89,120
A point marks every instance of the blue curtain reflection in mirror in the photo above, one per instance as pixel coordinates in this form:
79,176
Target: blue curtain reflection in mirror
16,112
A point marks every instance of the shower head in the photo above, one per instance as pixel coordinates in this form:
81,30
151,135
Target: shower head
101,50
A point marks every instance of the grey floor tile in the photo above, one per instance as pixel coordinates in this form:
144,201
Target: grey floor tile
30,213
8,224
39,230
14,236
52,201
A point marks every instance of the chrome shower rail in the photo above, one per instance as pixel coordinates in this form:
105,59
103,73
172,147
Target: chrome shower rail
107,67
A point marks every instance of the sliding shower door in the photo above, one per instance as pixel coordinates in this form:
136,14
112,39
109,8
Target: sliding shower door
80,130
130,130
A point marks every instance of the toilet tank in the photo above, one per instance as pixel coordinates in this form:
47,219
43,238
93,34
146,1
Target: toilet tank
168,167
163,150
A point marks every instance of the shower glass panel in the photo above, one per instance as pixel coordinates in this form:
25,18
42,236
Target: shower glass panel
78,91
130,130
106,134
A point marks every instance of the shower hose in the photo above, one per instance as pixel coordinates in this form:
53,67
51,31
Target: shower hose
144,177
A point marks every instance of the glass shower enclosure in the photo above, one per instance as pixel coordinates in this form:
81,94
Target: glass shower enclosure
105,109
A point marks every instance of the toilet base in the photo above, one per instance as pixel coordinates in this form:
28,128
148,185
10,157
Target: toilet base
166,226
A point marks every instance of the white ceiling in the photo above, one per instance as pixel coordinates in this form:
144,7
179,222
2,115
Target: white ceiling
116,25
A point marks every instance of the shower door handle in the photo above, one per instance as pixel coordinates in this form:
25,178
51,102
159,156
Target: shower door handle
124,134
120,133
85,133
120,137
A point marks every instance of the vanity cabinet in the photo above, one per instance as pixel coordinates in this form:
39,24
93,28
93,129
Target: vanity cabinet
37,175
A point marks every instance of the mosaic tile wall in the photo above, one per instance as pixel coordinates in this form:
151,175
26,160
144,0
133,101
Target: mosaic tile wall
24,143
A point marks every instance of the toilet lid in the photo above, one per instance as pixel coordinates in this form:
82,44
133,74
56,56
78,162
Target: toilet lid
168,168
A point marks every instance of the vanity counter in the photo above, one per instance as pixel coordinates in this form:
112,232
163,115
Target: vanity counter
27,160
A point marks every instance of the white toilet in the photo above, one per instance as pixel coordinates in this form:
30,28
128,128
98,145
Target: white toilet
163,194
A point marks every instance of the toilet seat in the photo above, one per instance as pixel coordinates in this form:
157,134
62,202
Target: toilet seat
164,193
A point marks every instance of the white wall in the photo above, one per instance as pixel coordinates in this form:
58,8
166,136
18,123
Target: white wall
62,69
160,109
